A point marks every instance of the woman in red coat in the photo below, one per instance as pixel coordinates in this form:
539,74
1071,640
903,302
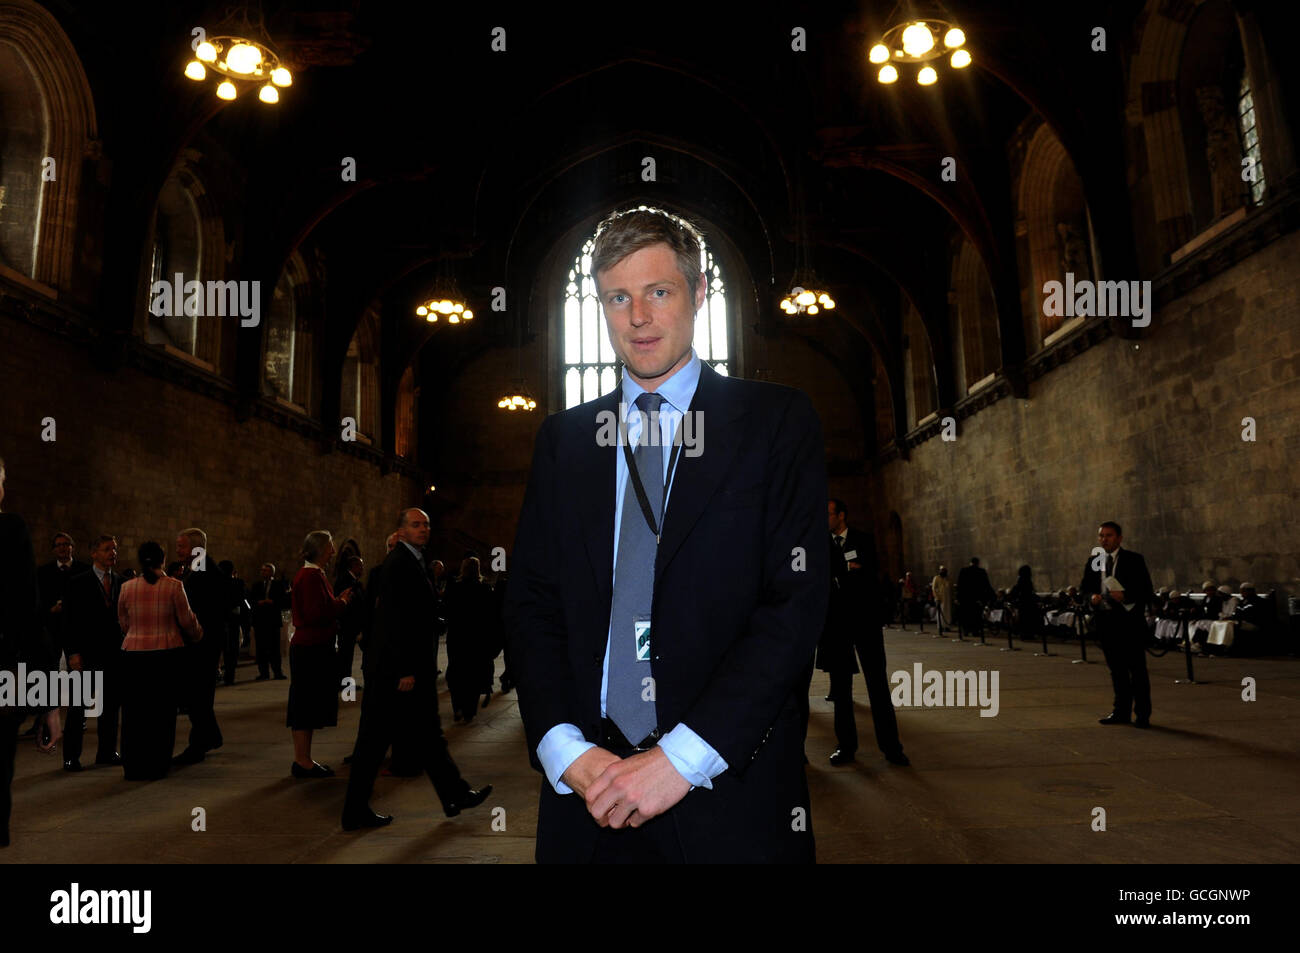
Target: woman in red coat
313,669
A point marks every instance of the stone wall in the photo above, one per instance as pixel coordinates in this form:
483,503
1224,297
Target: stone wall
1147,433
142,458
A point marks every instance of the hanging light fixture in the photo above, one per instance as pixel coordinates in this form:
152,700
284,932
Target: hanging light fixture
915,40
239,59
807,294
445,300
519,398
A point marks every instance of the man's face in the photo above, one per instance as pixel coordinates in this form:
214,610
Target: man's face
650,313
63,549
415,528
1108,538
835,520
183,548
105,555
266,572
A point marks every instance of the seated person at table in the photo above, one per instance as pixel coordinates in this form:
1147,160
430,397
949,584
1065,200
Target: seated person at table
1213,603
1254,617
1177,605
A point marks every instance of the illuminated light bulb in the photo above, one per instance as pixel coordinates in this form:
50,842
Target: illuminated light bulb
927,76
269,94
458,307
243,58
226,90
812,309
444,306
421,310
879,53
467,316
281,76
917,40
433,317
830,303
954,38
960,59
432,488
805,298
887,74
454,319
195,71
206,52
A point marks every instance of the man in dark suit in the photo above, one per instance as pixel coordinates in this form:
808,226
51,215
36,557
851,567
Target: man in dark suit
53,579
679,740
93,643
355,620
21,640
270,597
853,621
974,592
401,687
208,590
1119,589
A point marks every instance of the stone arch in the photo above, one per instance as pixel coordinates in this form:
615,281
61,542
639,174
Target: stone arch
975,334
70,131
1053,217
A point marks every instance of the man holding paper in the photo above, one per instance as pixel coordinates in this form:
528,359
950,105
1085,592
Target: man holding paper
1119,587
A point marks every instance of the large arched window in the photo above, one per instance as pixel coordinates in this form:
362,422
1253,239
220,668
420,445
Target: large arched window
589,367
360,383
288,348
23,139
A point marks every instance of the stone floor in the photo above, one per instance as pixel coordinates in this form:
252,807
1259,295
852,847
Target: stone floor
1215,780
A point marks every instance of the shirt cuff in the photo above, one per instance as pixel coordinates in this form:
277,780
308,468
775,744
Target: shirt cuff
692,756
559,748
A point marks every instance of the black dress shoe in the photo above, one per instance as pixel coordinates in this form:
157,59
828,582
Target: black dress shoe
262,678
280,676
72,766
898,758
830,698
1142,723
116,759
316,770
839,757
471,799
1112,719
189,756
367,818
348,759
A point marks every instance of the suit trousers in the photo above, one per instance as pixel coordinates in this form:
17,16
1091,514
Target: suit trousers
871,659
1124,645
10,721
230,659
201,679
267,638
106,723
385,714
846,725
152,683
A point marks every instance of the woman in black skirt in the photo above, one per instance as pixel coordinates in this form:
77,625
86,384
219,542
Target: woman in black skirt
313,665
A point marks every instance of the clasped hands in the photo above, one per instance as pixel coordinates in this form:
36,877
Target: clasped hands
1116,594
626,792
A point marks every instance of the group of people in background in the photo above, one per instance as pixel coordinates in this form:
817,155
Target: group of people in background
165,634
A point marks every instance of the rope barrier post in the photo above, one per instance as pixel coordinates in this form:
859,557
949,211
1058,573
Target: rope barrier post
1011,628
1042,628
1187,652
1081,629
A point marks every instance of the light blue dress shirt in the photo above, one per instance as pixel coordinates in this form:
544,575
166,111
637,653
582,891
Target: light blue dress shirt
691,755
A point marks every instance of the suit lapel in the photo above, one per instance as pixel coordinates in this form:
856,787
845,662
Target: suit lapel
596,480
699,477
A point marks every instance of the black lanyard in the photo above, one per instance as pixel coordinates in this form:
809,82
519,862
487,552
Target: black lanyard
639,488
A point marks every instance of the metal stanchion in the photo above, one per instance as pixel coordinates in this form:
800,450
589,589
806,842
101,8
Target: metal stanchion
1081,628
1187,652
1042,628
1011,628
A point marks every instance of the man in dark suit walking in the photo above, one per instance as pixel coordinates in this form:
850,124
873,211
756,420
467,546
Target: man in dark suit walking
974,592
355,620
1119,587
663,604
53,579
21,640
208,590
93,643
401,688
270,597
853,621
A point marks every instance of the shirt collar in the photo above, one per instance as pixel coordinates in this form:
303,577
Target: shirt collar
308,564
414,552
63,565
98,572
677,391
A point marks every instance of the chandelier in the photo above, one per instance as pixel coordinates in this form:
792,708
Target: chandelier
445,299
241,60
919,42
520,399
807,297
